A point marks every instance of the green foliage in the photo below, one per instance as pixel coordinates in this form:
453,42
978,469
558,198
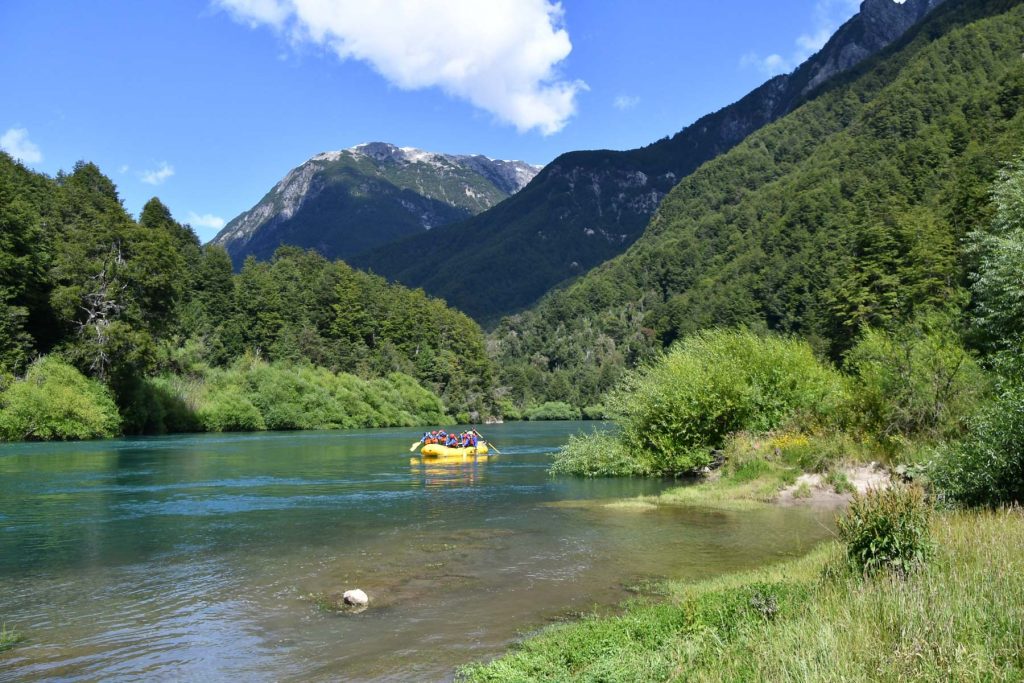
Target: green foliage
55,401
887,530
132,303
252,395
839,482
9,637
987,466
597,412
718,382
749,470
998,288
598,454
917,381
553,410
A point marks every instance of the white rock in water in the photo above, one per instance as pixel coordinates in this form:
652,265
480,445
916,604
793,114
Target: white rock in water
355,597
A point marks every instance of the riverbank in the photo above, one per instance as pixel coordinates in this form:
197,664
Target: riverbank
957,618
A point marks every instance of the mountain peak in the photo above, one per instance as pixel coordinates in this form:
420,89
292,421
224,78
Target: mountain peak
345,201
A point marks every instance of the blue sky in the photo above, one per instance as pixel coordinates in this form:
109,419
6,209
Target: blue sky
208,103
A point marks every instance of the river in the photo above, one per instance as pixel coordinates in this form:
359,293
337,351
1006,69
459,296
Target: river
194,557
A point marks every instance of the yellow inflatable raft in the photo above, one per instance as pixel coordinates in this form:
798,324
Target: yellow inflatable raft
436,450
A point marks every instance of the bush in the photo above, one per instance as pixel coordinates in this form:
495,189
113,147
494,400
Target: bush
987,467
255,395
839,482
598,412
916,381
553,410
887,530
718,382
56,401
598,454
229,410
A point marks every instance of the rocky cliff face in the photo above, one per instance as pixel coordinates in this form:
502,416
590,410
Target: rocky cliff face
587,207
347,201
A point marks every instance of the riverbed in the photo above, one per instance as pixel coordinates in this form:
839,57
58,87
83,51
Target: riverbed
202,557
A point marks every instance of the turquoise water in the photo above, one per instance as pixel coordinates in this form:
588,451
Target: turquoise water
194,557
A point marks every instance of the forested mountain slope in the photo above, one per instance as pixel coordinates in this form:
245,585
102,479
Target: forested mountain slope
344,202
586,207
847,212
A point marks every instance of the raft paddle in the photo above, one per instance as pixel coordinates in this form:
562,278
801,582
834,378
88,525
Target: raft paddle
489,442
414,446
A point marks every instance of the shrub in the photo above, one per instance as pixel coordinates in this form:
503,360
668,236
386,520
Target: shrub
887,530
839,482
987,467
229,410
718,382
509,411
598,412
56,401
818,452
553,410
598,454
255,395
915,381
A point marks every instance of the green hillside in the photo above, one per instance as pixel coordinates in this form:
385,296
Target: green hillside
589,206
848,212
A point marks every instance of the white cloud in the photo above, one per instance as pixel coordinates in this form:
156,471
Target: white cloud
158,175
827,17
206,220
624,102
16,143
123,169
499,55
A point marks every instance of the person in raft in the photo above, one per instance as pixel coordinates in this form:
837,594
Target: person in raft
429,437
452,441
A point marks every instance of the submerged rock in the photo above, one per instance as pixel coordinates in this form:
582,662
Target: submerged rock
355,597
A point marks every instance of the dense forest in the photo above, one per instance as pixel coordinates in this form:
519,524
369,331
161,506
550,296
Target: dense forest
139,315
846,214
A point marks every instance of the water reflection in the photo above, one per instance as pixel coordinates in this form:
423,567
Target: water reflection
439,472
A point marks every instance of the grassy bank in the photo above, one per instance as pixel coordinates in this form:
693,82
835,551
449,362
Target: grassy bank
958,618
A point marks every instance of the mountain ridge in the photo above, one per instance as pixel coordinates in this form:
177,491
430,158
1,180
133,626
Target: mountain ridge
340,202
588,206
